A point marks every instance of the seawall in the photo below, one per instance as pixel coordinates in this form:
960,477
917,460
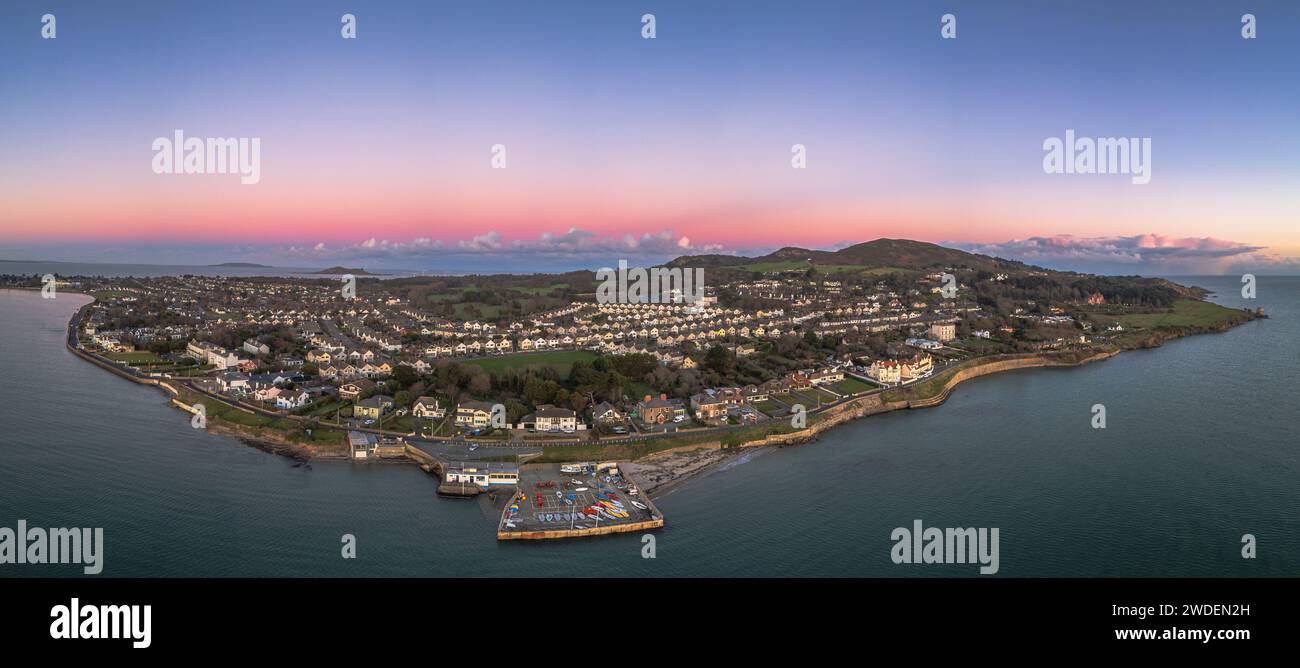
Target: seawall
875,403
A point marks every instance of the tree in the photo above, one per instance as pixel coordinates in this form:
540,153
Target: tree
538,391
479,384
515,411
720,359
405,375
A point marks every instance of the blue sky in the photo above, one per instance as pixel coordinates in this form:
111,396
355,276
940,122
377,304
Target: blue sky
375,148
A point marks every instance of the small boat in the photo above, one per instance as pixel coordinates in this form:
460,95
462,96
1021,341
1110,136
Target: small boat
580,489
640,505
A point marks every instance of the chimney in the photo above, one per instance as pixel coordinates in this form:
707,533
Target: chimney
647,398
663,397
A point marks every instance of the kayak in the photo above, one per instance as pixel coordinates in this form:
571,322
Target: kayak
615,511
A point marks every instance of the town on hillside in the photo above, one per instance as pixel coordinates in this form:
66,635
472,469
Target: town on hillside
538,359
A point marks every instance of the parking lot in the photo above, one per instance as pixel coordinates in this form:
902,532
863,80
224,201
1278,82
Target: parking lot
550,500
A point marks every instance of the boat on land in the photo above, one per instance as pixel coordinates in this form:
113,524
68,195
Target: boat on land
640,505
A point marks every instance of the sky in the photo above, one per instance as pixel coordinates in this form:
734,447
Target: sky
378,151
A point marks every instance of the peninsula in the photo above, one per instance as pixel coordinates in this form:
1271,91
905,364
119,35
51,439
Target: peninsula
775,349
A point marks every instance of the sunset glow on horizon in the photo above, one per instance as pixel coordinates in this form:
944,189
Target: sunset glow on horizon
379,149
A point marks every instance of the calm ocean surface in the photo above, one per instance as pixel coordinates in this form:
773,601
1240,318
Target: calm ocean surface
1200,448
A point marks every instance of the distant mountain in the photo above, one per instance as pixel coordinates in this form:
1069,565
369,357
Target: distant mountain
333,271
896,253
242,264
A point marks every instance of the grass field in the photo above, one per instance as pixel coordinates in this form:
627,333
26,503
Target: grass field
324,408
983,346
786,265
476,310
535,291
144,357
852,385
390,422
560,360
809,398
819,392
800,265
1185,313
221,411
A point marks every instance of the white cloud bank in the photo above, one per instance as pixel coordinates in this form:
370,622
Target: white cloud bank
1142,253
575,244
